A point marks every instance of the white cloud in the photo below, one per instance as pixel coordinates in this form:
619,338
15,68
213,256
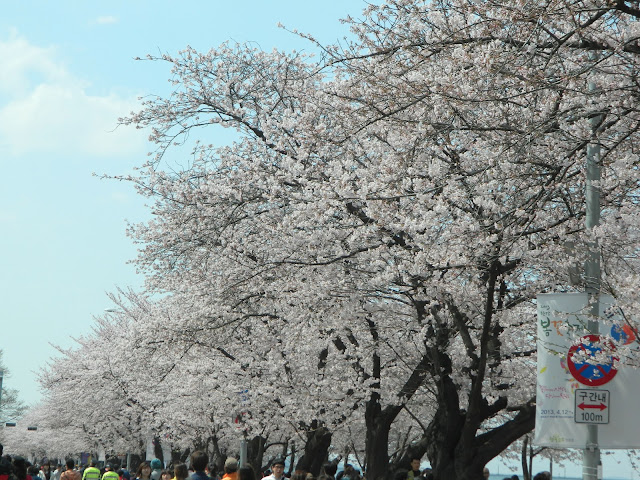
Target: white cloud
23,64
107,19
46,109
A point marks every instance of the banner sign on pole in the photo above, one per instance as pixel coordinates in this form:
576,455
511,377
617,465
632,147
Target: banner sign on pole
573,391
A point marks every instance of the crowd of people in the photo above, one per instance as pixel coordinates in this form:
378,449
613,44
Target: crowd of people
18,468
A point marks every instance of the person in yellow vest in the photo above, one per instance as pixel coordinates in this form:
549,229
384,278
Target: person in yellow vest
92,472
109,473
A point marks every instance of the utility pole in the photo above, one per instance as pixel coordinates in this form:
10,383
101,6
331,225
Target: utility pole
591,454
243,450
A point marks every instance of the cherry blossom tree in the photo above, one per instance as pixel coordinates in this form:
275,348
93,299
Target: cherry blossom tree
343,265
38,434
402,200
364,257
11,407
146,372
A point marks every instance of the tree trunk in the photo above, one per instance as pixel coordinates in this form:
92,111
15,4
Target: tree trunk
218,457
531,459
444,432
135,460
456,450
378,423
292,461
157,449
316,449
179,456
414,450
255,453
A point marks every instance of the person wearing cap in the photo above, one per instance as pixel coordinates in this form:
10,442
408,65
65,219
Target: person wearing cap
230,469
109,473
156,469
277,470
124,473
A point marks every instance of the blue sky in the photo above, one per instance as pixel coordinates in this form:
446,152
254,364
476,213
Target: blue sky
67,74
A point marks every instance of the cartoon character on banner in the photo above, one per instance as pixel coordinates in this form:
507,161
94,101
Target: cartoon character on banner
624,334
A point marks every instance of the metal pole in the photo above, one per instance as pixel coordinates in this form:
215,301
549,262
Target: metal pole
243,451
591,455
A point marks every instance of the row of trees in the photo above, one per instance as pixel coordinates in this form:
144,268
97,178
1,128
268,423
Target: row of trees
363,260
11,407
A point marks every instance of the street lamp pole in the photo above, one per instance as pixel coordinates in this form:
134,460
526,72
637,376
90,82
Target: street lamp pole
591,454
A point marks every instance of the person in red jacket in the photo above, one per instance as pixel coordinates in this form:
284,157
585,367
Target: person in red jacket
6,469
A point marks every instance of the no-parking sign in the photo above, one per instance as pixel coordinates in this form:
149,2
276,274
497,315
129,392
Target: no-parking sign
586,372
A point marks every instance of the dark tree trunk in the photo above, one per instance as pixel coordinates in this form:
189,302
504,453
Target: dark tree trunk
292,461
134,462
179,456
444,432
316,449
218,457
455,451
200,444
255,453
414,450
378,423
157,449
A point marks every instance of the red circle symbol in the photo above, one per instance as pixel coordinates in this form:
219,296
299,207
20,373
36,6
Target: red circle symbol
591,374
